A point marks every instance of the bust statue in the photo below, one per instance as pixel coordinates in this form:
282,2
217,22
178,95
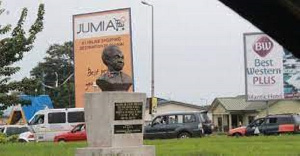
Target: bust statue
113,79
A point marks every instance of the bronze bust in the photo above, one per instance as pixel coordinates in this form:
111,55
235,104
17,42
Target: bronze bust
114,79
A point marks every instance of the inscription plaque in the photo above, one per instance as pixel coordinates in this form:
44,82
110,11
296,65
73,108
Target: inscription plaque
129,111
124,129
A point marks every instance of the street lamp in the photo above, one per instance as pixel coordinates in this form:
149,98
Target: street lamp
152,54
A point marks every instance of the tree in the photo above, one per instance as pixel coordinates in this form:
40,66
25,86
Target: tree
55,75
12,49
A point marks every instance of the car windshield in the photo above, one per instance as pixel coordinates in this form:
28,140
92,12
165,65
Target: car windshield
78,128
37,119
257,122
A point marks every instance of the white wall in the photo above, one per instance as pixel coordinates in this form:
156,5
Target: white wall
168,108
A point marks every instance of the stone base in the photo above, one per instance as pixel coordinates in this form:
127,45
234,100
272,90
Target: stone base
100,119
116,151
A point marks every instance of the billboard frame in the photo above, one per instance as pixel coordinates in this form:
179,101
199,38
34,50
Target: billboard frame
131,40
245,69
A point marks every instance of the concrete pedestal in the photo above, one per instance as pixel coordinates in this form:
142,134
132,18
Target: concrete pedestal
115,124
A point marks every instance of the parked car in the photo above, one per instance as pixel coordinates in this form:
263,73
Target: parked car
78,133
9,130
50,122
26,137
178,125
272,124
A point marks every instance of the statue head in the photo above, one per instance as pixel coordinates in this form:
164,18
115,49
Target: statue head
113,58
113,80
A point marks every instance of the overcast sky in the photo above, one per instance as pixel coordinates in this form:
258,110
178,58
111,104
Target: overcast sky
198,43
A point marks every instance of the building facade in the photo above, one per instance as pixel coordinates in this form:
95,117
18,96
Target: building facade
232,112
166,106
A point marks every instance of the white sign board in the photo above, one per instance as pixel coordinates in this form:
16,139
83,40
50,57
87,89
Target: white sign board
269,73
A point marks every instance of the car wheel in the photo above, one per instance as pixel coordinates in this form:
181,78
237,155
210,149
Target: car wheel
22,140
237,135
183,135
61,140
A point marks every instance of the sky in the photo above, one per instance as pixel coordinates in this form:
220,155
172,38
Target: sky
198,44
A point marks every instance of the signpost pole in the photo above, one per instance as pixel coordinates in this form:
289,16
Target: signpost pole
267,109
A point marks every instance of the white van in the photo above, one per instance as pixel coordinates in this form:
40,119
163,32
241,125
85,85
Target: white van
49,122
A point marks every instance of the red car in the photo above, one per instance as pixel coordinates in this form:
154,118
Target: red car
78,133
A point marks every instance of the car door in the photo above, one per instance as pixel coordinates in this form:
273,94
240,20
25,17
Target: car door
75,133
256,127
80,134
38,125
174,122
271,126
157,128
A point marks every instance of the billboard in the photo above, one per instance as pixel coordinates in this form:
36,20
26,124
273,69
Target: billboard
93,32
272,72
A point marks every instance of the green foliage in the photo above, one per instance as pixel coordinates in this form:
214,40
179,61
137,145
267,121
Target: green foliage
10,139
12,49
2,138
13,138
55,75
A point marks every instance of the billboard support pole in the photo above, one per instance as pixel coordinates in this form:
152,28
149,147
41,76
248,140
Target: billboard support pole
267,110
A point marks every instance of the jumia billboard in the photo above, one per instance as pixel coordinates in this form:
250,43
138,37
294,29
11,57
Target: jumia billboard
93,32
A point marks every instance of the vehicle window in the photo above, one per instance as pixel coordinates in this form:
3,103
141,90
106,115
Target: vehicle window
78,128
189,118
160,120
12,131
1,129
204,117
179,118
257,122
272,120
297,119
59,117
285,120
83,128
157,120
75,117
23,129
37,119
171,119
175,119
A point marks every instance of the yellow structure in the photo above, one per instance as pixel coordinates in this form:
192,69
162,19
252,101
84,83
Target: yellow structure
16,116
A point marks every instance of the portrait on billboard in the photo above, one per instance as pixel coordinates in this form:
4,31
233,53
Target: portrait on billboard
114,79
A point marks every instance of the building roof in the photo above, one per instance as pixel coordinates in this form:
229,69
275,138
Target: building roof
238,103
182,104
162,102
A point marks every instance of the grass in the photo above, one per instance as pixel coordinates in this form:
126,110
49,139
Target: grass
223,145
212,145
